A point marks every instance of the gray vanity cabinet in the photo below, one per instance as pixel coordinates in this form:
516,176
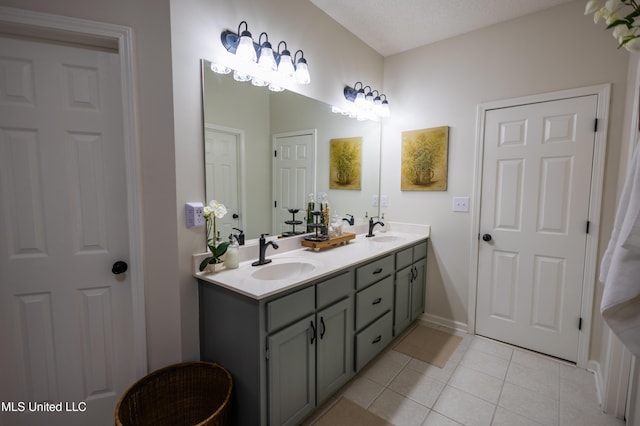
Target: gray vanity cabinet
374,305
289,352
311,358
409,285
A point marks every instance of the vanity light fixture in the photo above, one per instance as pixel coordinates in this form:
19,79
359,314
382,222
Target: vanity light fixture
364,105
258,63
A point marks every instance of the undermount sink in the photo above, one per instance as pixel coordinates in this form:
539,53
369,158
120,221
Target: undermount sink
386,239
280,271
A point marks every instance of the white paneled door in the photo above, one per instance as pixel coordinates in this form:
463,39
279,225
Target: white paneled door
222,171
65,316
294,177
533,223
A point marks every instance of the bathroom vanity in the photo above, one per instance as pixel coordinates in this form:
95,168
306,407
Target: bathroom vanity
292,332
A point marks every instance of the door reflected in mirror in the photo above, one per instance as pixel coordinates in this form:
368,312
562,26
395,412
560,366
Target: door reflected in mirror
266,151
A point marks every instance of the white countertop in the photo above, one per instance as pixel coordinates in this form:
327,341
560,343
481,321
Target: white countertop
318,263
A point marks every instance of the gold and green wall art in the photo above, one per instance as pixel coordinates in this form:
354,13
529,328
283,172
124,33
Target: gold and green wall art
345,169
424,159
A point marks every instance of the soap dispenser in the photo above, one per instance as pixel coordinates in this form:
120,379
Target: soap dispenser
232,254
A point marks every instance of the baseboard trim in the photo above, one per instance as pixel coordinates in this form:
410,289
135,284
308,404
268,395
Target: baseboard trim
594,367
440,322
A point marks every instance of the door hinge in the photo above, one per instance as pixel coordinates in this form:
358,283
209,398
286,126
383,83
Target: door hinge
275,204
275,153
595,125
587,227
266,353
580,323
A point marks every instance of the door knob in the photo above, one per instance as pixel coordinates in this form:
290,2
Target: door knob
486,237
235,216
119,267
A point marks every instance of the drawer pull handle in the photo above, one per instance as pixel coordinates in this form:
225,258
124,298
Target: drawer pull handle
377,271
313,333
376,340
378,300
324,328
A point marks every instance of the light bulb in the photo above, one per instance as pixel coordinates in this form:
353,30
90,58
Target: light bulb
245,50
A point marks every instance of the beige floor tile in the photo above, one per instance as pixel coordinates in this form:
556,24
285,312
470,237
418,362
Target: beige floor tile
492,347
417,386
504,417
399,410
440,374
486,363
464,408
383,369
476,383
536,361
437,419
363,391
586,415
529,404
543,381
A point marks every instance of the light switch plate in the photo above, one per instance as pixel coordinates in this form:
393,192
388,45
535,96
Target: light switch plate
195,214
375,201
384,201
460,204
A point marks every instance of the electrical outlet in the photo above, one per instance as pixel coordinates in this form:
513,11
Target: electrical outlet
460,204
375,200
195,214
384,201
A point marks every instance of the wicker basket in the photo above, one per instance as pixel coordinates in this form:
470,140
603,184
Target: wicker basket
191,393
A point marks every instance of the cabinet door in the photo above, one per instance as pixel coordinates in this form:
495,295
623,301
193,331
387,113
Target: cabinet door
292,372
418,289
403,308
335,347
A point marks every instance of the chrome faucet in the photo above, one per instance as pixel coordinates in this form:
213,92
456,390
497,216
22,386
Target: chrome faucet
350,220
372,224
263,248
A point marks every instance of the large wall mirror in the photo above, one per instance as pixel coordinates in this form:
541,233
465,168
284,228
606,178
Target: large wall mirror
266,151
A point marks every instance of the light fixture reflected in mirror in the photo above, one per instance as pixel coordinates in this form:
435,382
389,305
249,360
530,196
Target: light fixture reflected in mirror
363,104
258,63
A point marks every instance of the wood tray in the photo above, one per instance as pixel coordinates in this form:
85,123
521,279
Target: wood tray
331,242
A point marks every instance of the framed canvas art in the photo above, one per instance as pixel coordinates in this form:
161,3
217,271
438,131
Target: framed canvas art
345,166
425,159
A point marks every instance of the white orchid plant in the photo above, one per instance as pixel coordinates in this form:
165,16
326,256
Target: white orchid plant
619,15
215,210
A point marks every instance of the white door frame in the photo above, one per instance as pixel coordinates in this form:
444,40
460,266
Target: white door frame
47,26
595,202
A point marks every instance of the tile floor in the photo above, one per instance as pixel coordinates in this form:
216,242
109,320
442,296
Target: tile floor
484,383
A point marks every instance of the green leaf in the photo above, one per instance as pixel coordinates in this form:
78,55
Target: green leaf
221,249
205,262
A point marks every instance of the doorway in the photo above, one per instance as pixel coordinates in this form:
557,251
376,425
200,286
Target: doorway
70,263
540,164
294,176
223,160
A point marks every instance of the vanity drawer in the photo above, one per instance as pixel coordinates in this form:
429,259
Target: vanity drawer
373,302
373,339
374,271
334,289
420,251
290,308
404,258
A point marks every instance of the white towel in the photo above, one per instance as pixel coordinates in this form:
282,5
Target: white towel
620,268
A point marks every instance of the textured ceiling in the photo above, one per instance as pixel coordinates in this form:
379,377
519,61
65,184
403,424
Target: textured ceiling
393,26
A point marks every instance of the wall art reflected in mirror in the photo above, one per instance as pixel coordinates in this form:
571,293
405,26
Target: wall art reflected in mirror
265,152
